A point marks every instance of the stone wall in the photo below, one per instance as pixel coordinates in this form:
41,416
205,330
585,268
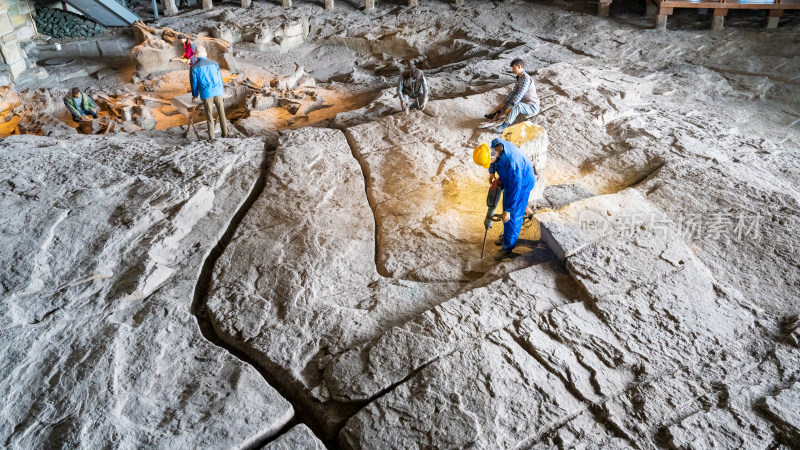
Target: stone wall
16,26
59,23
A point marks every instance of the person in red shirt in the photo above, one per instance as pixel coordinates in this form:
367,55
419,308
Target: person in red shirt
189,50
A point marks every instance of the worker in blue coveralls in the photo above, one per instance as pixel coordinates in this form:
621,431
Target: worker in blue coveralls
516,174
206,81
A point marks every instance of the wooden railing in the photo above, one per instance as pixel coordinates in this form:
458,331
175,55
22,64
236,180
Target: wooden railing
661,9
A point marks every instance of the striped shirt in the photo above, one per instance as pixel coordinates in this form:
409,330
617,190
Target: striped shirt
524,92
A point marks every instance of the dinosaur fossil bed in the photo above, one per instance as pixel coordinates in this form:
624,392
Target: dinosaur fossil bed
315,281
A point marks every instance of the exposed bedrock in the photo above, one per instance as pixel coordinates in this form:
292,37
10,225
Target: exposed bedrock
427,194
659,309
658,353
98,339
158,49
300,437
739,221
299,285
298,281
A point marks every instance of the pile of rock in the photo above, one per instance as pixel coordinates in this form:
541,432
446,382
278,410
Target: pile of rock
265,36
284,92
42,112
59,23
32,111
158,48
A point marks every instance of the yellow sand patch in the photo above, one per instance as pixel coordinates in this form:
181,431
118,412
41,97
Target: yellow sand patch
8,127
523,132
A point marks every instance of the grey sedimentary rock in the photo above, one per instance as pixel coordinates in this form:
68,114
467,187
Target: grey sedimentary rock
488,394
588,365
783,407
426,191
561,195
299,437
298,282
104,239
367,371
742,212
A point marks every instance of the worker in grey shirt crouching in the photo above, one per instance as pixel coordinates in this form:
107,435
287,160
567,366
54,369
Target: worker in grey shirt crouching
412,86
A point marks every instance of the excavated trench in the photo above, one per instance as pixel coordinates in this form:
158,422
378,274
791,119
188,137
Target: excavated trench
383,57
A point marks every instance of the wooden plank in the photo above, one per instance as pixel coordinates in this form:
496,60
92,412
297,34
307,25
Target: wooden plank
685,4
765,4
154,99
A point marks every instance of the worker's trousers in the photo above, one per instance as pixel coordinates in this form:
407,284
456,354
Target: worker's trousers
512,228
417,101
84,112
208,104
525,109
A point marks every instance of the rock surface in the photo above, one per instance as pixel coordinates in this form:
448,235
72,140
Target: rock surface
298,282
589,364
299,437
310,288
352,281
100,344
427,194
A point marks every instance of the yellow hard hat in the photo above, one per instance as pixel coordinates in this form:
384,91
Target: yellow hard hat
482,155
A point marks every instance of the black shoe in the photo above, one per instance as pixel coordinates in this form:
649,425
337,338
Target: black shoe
528,220
499,240
504,254
490,116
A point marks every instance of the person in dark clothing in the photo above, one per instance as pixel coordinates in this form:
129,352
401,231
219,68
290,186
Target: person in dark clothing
522,99
412,86
80,105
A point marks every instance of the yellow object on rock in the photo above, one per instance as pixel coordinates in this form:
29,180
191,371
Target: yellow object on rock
482,155
522,133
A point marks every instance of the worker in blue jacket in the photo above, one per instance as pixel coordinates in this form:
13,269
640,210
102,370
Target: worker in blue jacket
516,174
206,81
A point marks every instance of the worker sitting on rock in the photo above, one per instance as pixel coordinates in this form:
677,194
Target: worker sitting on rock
522,100
206,81
516,174
412,85
189,50
81,106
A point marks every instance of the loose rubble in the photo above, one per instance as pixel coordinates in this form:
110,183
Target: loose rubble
59,23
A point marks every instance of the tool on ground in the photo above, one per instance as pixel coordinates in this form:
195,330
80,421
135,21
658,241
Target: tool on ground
492,200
